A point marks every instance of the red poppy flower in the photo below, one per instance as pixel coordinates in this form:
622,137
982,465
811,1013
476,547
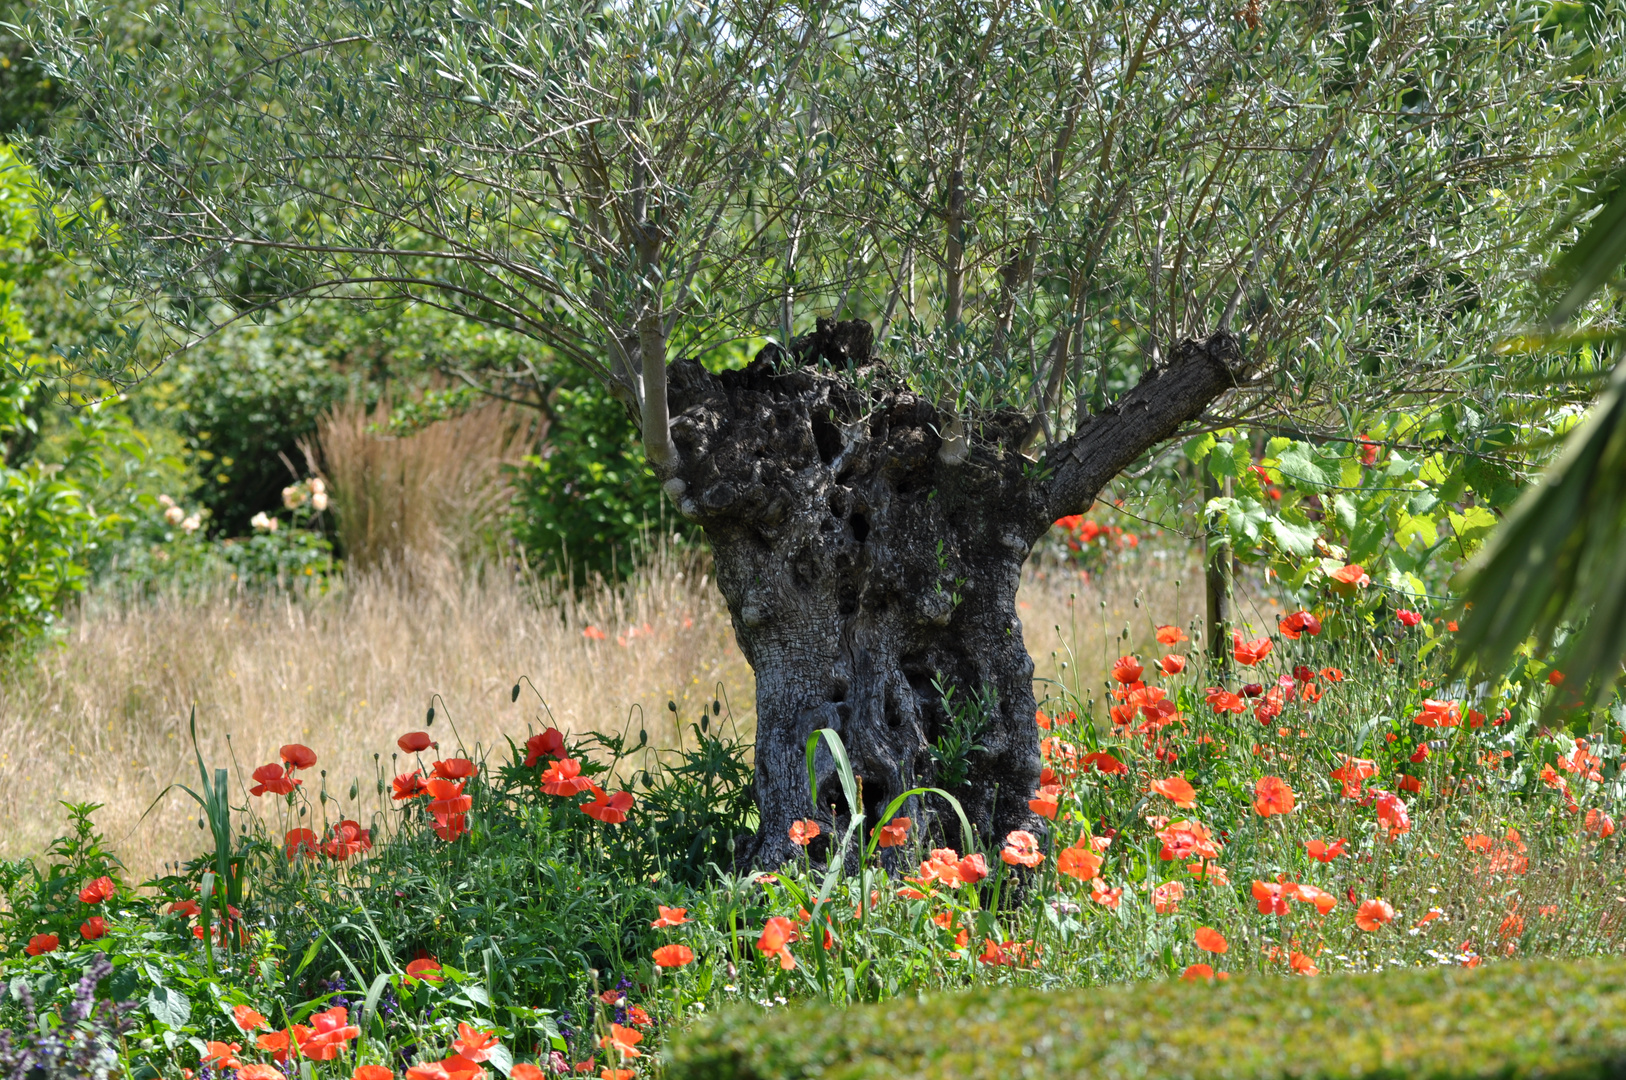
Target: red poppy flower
1170,635
564,778
593,633
1202,971
1599,824
973,868
1300,622
93,928
1392,814
40,944
273,779
329,1031
1353,773
427,1070
1223,701
894,832
1346,579
803,832
348,838
670,916
459,1067
1321,851
1332,675
1105,762
1271,795
1372,914
775,940
474,1044
1167,896
1439,714
1022,849
457,768
1177,790
426,969
1411,785
450,826
1044,802
408,786
259,1070
1107,898
97,891
185,908
1408,619
446,797
673,956
1249,653
298,756
1210,872
610,809
549,743
301,841
415,742
1079,861
616,1074
221,1055
1302,964
1555,677
1186,840
1172,664
1272,897
247,1019
373,1072
1128,670
1210,940
278,1042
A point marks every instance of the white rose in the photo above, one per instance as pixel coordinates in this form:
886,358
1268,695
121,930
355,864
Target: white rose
292,496
165,501
263,523
318,485
174,514
319,501
191,524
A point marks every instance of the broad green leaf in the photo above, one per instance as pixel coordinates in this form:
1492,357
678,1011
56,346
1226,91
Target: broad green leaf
1222,462
1343,510
1198,447
169,1007
1300,468
1295,539
1415,527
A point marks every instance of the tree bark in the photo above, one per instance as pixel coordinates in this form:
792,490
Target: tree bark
865,576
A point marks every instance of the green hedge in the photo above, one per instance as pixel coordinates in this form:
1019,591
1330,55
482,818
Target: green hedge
1538,1019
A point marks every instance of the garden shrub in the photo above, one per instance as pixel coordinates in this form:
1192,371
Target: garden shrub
1526,1019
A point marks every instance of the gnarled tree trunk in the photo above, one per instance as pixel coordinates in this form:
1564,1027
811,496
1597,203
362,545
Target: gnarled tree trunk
866,576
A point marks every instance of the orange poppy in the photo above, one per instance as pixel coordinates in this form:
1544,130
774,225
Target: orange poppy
549,743
1177,790
1302,964
407,786
1186,840
259,1070
1167,896
1324,901
97,891
301,841
221,1056
593,633
1202,971
1104,762
415,742
329,1031
40,944
1210,940
775,940
670,916
1078,861
616,1074
1128,670
428,1070
1249,653
272,779
673,956
474,1044
1044,802
1392,814
564,778
1321,851
894,832
972,868
1346,579
1271,795
279,1042
1022,849
1170,635
612,809
1373,914
247,1019
1300,622
1599,824
368,1072
1207,871
1173,664
461,1068
1353,773
457,768
1555,677
803,832
1439,713
1271,897
1107,898
446,797
298,756
1221,700
426,968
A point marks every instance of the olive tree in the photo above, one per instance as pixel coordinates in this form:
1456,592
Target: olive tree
1002,251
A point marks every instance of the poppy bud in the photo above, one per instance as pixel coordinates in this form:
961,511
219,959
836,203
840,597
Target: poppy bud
513,695
705,722
672,707
643,736
716,707
430,719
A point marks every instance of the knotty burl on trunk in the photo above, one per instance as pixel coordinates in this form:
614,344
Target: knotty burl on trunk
866,572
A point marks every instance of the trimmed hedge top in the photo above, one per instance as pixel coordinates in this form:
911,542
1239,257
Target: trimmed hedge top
1509,1020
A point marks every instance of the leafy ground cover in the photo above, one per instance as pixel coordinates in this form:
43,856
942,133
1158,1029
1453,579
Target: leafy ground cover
1316,802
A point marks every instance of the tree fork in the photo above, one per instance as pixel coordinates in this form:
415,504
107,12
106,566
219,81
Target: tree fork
866,576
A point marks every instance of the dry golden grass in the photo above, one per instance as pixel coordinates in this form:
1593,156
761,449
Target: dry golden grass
103,717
